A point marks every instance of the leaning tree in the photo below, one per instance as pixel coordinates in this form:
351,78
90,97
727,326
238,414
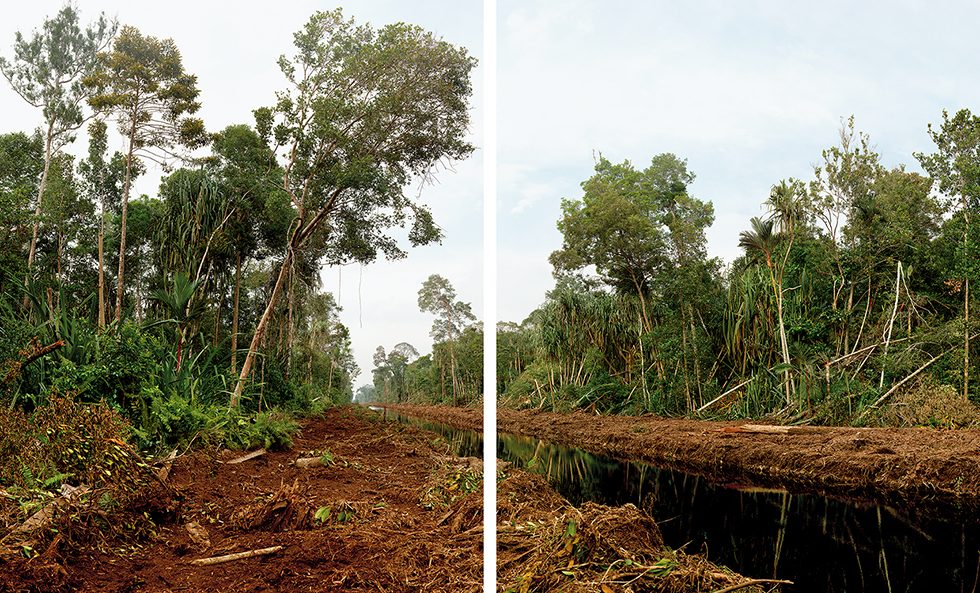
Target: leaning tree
364,113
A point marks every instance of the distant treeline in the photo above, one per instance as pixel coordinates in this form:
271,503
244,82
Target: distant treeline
853,293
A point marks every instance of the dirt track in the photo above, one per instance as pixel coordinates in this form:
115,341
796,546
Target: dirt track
906,466
381,478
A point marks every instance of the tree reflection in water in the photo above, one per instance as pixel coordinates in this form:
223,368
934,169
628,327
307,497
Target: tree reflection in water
821,544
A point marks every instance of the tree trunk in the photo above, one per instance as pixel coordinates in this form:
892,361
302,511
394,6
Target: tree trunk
234,315
40,195
261,327
778,293
127,185
290,334
217,314
102,270
966,341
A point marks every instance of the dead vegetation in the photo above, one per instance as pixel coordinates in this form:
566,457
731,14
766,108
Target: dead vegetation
545,544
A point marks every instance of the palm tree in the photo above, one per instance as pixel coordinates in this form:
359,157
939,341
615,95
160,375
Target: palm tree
763,240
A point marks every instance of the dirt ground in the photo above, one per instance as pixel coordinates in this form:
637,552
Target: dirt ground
404,516
912,466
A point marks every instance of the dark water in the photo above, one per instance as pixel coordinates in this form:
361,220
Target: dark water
819,543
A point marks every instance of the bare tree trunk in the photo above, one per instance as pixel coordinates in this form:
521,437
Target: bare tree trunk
102,270
966,341
261,327
234,315
127,186
217,314
290,334
40,195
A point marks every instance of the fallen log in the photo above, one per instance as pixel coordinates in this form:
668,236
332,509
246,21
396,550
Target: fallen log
252,455
236,556
43,517
308,462
761,429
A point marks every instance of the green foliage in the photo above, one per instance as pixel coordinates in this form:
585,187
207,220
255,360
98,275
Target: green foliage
852,284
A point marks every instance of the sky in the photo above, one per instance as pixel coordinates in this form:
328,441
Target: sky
233,49
748,92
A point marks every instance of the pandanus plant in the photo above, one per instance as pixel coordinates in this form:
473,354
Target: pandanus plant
180,306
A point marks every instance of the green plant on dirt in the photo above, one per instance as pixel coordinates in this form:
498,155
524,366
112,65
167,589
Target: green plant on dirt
449,484
344,513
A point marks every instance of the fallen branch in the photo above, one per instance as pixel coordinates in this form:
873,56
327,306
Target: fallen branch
236,556
895,387
252,455
43,517
752,583
308,462
15,366
709,404
761,429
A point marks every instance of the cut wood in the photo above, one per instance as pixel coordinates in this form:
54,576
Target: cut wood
252,455
236,556
308,462
761,429
44,516
164,472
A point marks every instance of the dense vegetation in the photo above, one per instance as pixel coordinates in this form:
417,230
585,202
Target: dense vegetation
452,374
853,292
196,314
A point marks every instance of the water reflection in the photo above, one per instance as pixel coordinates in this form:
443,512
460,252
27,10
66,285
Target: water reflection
820,543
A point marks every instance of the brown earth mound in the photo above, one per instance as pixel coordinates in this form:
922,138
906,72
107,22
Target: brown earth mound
382,509
898,465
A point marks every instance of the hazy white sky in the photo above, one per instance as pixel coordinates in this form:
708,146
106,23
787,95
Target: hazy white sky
748,92
232,47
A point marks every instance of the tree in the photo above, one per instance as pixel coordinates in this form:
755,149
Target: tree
764,240
20,166
252,181
142,82
955,169
365,111
634,226
102,179
437,296
47,71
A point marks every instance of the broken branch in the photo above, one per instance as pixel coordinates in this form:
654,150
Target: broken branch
236,556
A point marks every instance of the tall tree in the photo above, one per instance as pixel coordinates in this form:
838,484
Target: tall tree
762,239
437,296
102,179
143,84
955,170
364,112
47,71
252,179
20,167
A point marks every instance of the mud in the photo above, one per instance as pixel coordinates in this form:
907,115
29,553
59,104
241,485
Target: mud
906,466
402,518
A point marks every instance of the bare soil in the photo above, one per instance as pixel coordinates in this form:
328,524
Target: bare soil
404,516
911,466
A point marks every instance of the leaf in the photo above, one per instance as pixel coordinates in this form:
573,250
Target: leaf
322,515
568,573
